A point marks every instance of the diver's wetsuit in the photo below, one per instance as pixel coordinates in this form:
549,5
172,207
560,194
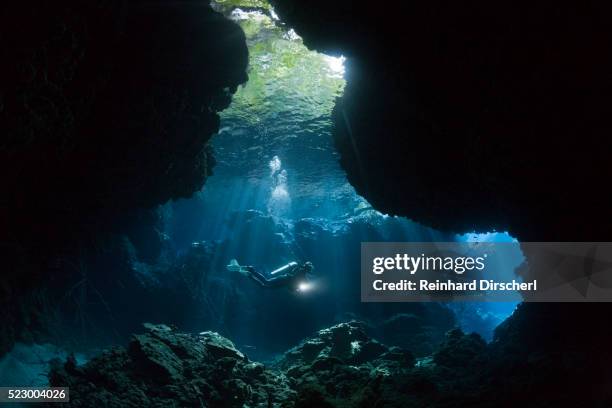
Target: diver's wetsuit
291,278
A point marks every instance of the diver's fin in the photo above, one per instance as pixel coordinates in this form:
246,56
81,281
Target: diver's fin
234,266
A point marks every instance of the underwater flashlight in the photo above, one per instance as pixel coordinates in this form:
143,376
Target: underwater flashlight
304,286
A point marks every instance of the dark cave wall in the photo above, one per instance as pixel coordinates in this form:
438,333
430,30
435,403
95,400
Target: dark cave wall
106,109
108,106
472,116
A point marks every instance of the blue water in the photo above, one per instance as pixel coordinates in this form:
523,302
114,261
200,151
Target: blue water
278,194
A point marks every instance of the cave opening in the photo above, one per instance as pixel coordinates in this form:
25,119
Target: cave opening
278,194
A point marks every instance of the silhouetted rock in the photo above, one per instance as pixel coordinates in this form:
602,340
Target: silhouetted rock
559,350
472,116
108,107
106,110
460,350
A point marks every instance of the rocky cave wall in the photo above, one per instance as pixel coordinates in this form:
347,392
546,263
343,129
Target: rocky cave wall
472,116
106,108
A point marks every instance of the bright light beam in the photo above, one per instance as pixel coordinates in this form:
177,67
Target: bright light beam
304,287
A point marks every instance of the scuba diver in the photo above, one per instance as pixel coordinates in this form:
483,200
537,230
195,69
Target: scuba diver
291,275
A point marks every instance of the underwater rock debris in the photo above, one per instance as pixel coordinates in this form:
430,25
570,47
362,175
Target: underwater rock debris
166,368
163,367
340,366
345,343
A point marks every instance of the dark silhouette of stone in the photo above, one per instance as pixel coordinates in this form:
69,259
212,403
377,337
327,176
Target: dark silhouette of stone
107,107
472,116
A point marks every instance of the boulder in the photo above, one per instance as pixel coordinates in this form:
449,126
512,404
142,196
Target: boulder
219,347
154,356
166,368
461,350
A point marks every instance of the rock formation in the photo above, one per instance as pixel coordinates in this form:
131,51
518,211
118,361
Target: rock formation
340,366
106,108
472,117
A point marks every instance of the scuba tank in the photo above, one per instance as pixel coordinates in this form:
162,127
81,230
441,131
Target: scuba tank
284,268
